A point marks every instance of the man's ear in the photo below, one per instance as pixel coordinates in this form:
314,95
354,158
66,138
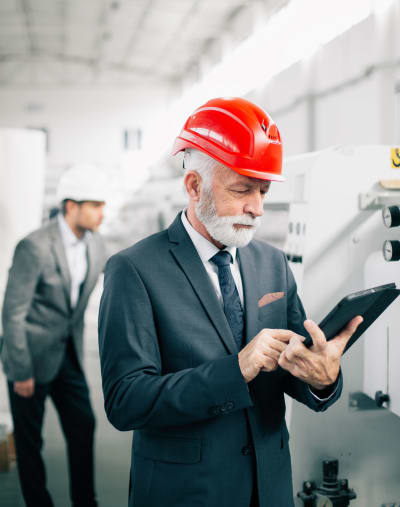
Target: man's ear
192,182
70,206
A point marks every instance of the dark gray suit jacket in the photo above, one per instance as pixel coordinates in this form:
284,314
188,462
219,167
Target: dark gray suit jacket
170,371
37,316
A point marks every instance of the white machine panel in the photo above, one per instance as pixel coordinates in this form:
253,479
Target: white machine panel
382,338
334,245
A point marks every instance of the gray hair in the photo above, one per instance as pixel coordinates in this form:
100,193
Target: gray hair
195,160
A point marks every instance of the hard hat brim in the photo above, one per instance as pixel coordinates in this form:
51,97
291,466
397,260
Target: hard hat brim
181,144
259,175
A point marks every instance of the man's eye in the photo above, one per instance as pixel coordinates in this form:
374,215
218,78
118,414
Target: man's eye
240,191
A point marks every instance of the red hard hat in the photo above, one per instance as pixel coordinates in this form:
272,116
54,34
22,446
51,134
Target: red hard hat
238,134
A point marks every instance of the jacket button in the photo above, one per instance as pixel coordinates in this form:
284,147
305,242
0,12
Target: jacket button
227,407
246,450
214,410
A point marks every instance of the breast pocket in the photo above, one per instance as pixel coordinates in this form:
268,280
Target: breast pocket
274,314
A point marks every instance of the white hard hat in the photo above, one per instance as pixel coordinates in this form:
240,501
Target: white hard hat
83,182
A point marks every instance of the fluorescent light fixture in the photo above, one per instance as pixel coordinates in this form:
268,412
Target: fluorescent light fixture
292,34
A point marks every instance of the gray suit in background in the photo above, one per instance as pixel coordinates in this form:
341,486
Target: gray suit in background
43,341
37,315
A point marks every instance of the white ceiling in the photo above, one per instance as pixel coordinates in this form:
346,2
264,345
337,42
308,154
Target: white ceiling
81,42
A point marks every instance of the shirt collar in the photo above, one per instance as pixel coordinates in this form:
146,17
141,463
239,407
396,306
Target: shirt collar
204,248
68,237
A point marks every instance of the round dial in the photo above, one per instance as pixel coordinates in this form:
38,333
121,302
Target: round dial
391,250
387,216
391,216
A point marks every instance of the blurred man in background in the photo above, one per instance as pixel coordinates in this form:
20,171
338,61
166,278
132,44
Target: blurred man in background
53,273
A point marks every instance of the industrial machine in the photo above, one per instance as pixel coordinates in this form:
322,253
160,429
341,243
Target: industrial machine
333,492
337,243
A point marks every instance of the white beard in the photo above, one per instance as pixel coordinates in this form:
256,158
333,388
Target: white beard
222,228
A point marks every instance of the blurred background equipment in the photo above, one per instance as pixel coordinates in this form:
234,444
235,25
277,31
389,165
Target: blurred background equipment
333,492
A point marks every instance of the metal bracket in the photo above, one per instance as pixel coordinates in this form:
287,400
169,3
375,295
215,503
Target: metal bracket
360,401
378,200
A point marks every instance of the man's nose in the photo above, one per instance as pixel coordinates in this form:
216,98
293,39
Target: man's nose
255,205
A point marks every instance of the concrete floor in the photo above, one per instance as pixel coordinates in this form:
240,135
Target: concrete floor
112,447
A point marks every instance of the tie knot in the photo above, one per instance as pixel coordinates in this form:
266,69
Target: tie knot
222,258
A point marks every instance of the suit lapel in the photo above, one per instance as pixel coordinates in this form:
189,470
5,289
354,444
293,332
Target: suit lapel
250,284
61,259
188,259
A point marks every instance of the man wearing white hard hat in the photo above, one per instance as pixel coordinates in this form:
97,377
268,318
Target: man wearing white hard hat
53,273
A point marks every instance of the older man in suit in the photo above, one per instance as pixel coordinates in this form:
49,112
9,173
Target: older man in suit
201,330
53,273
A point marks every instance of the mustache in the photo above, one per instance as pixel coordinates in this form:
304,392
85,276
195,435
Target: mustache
240,220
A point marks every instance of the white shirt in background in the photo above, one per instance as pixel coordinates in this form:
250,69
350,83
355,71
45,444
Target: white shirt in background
76,253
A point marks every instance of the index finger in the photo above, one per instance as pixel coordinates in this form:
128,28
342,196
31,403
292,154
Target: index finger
317,335
283,335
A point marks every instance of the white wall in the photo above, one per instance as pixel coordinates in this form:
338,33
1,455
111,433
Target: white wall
362,111
84,124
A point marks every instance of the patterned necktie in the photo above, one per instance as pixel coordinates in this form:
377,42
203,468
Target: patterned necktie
232,306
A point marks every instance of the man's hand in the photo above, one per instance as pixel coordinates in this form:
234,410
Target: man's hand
319,365
263,352
25,388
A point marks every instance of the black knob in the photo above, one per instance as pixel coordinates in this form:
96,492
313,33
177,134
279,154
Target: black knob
308,487
381,398
330,470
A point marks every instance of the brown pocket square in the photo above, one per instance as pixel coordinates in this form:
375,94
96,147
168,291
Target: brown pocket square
269,298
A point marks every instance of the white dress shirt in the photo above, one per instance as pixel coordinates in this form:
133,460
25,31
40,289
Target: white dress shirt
206,250
76,253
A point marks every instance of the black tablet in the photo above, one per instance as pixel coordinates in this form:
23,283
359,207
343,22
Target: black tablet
369,303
